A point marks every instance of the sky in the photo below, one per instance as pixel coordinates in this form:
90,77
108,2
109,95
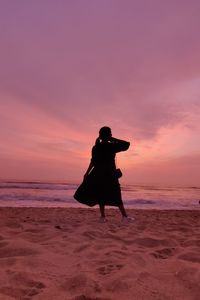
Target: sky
70,67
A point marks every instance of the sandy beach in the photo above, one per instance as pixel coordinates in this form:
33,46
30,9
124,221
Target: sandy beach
66,254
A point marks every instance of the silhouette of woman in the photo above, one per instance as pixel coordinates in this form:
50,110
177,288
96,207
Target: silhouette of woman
100,184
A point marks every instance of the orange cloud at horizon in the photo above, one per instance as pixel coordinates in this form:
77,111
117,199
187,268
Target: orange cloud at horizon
40,147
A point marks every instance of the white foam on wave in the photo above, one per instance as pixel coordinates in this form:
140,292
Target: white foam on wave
40,194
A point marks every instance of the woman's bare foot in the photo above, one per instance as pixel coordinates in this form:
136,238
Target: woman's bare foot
126,219
102,220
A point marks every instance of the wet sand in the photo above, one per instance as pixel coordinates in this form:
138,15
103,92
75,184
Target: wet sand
65,253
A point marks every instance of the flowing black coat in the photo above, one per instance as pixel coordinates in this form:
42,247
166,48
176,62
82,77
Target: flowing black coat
102,185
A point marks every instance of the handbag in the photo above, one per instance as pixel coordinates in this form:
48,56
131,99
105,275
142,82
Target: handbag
118,173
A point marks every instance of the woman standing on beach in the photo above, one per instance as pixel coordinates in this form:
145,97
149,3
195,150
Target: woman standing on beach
101,185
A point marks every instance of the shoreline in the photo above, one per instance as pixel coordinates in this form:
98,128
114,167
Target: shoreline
45,194
107,208
65,253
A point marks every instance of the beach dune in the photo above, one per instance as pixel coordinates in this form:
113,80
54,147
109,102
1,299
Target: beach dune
66,254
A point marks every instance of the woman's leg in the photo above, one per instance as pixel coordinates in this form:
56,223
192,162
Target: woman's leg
125,217
122,210
102,210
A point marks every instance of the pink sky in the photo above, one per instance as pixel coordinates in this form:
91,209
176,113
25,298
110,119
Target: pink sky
70,67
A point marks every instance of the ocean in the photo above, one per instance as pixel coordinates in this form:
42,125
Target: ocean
60,194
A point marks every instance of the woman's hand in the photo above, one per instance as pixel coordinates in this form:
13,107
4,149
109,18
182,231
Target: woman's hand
85,176
88,170
113,140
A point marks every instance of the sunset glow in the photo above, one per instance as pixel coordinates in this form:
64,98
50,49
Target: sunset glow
71,67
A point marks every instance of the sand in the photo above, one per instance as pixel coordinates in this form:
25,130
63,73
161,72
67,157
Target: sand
65,253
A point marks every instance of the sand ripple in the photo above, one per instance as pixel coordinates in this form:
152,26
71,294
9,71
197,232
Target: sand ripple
66,254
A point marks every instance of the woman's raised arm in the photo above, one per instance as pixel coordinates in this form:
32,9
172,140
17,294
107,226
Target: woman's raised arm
120,145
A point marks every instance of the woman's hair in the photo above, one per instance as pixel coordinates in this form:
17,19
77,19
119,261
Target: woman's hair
104,132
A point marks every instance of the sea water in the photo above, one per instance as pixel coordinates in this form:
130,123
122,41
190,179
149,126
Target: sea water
60,194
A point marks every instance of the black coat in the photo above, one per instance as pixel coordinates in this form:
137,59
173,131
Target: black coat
101,185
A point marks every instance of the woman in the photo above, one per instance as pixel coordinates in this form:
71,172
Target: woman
101,185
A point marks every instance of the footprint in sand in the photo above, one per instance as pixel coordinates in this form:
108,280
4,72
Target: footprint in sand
151,242
190,256
117,253
110,268
33,230
141,283
79,282
37,236
28,289
118,285
92,234
163,253
81,248
13,225
190,243
11,252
